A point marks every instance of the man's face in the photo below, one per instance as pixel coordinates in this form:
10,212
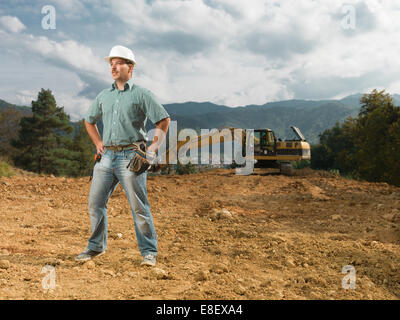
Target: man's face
120,70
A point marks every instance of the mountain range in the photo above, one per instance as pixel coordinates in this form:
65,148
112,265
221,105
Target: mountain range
312,117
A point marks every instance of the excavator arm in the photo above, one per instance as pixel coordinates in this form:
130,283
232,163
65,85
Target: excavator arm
215,136
283,151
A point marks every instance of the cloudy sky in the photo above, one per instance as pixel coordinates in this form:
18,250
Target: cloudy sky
229,52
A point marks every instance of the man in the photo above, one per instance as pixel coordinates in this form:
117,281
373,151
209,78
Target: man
124,109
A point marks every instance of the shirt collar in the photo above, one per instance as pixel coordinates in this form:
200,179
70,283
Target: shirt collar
128,85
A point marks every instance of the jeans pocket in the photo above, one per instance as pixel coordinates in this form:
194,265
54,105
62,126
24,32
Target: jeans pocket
104,155
129,154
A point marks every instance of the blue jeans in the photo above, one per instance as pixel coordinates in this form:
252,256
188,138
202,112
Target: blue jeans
107,173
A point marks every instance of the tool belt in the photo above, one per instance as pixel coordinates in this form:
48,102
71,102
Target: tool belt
138,145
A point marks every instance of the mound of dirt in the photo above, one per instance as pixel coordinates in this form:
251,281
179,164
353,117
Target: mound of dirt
221,236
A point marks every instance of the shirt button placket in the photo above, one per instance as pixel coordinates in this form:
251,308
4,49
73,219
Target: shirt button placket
115,117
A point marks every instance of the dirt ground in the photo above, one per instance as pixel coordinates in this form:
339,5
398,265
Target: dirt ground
221,236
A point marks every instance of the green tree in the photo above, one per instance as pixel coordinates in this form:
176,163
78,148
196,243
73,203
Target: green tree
9,125
375,100
367,147
378,144
337,148
83,149
43,141
346,148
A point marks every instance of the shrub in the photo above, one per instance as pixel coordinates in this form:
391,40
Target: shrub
5,169
188,168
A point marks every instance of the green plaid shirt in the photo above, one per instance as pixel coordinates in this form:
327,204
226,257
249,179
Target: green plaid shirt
124,113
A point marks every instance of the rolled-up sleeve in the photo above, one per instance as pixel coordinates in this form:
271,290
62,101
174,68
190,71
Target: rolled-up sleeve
152,108
94,112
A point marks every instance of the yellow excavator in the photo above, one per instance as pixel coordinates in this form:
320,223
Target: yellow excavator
269,151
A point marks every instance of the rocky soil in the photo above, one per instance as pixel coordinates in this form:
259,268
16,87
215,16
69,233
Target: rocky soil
221,236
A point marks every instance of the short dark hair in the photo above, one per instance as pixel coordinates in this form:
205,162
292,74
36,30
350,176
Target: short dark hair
125,60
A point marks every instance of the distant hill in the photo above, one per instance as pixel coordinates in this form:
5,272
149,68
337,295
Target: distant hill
311,116
354,100
23,109
194,108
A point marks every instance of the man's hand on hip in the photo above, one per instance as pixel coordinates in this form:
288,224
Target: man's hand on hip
100,147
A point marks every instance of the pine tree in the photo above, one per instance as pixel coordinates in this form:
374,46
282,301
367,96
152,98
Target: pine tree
43,141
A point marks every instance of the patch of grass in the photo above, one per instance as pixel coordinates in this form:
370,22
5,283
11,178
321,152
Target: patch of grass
301,164
335,172
352,176
5,169
188,168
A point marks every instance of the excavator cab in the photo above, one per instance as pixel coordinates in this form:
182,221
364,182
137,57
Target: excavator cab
264,142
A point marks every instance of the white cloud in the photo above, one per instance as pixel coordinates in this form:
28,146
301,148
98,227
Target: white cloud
80,59
71,9
25,97
12,24
229,52
68,66
73,105
164,18
237,53
69,52
235,63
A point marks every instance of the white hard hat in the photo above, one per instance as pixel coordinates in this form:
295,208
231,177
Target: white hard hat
121,52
